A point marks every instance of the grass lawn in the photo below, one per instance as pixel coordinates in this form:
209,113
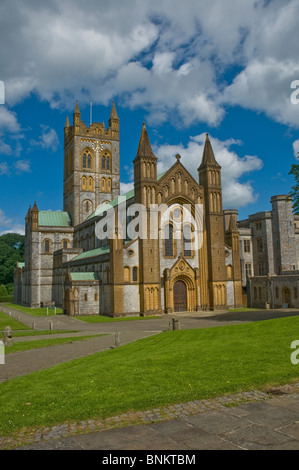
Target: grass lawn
41,343
103,319
37,312
19,329
7,320
172,367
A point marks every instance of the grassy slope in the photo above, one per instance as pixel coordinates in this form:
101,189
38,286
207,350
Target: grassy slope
172,367
37,312
42,343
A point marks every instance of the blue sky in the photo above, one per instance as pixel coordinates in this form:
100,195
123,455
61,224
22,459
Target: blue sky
185,68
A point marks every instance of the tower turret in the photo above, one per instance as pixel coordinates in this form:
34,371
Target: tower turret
210,178
145,171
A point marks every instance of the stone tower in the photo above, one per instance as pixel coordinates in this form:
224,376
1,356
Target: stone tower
91,165
283,230
210,178
145,182
233,240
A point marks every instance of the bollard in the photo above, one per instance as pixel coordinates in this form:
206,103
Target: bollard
51,325
175,324
33,325
117,339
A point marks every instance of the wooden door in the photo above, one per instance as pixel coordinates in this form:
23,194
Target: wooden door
180,296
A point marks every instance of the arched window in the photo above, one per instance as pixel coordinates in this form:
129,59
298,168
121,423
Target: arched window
86,206
109,186
168,240
90,183
83,185
187,240
106,161
135,274
86,160
65,244
103,184
47,246
127,274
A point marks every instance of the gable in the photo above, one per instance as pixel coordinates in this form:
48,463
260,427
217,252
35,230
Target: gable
178,182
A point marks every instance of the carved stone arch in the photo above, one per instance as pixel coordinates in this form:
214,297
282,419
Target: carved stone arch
181,272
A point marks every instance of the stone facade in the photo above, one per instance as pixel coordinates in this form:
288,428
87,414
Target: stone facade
68,264
269,250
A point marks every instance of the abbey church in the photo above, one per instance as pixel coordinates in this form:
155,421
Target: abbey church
67,263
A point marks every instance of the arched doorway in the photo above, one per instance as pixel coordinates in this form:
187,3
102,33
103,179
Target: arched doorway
179,296
287,296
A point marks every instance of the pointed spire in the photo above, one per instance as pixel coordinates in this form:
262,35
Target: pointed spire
77,110
208,157
34,208
113,114
67,122
144,147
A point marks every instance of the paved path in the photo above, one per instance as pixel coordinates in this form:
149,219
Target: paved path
265,422
261,422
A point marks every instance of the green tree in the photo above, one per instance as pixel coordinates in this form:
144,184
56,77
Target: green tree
294,193
3,291
11,251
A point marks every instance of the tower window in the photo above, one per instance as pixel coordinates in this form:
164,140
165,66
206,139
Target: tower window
86,160
106,164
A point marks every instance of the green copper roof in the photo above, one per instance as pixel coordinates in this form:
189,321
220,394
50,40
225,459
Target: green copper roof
21,265
92,253
54,219
84,277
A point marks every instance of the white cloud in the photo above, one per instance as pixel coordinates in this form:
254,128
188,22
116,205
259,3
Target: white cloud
4,170
23,166
48,139
296,149
8,225
125,187
163,56
8,121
